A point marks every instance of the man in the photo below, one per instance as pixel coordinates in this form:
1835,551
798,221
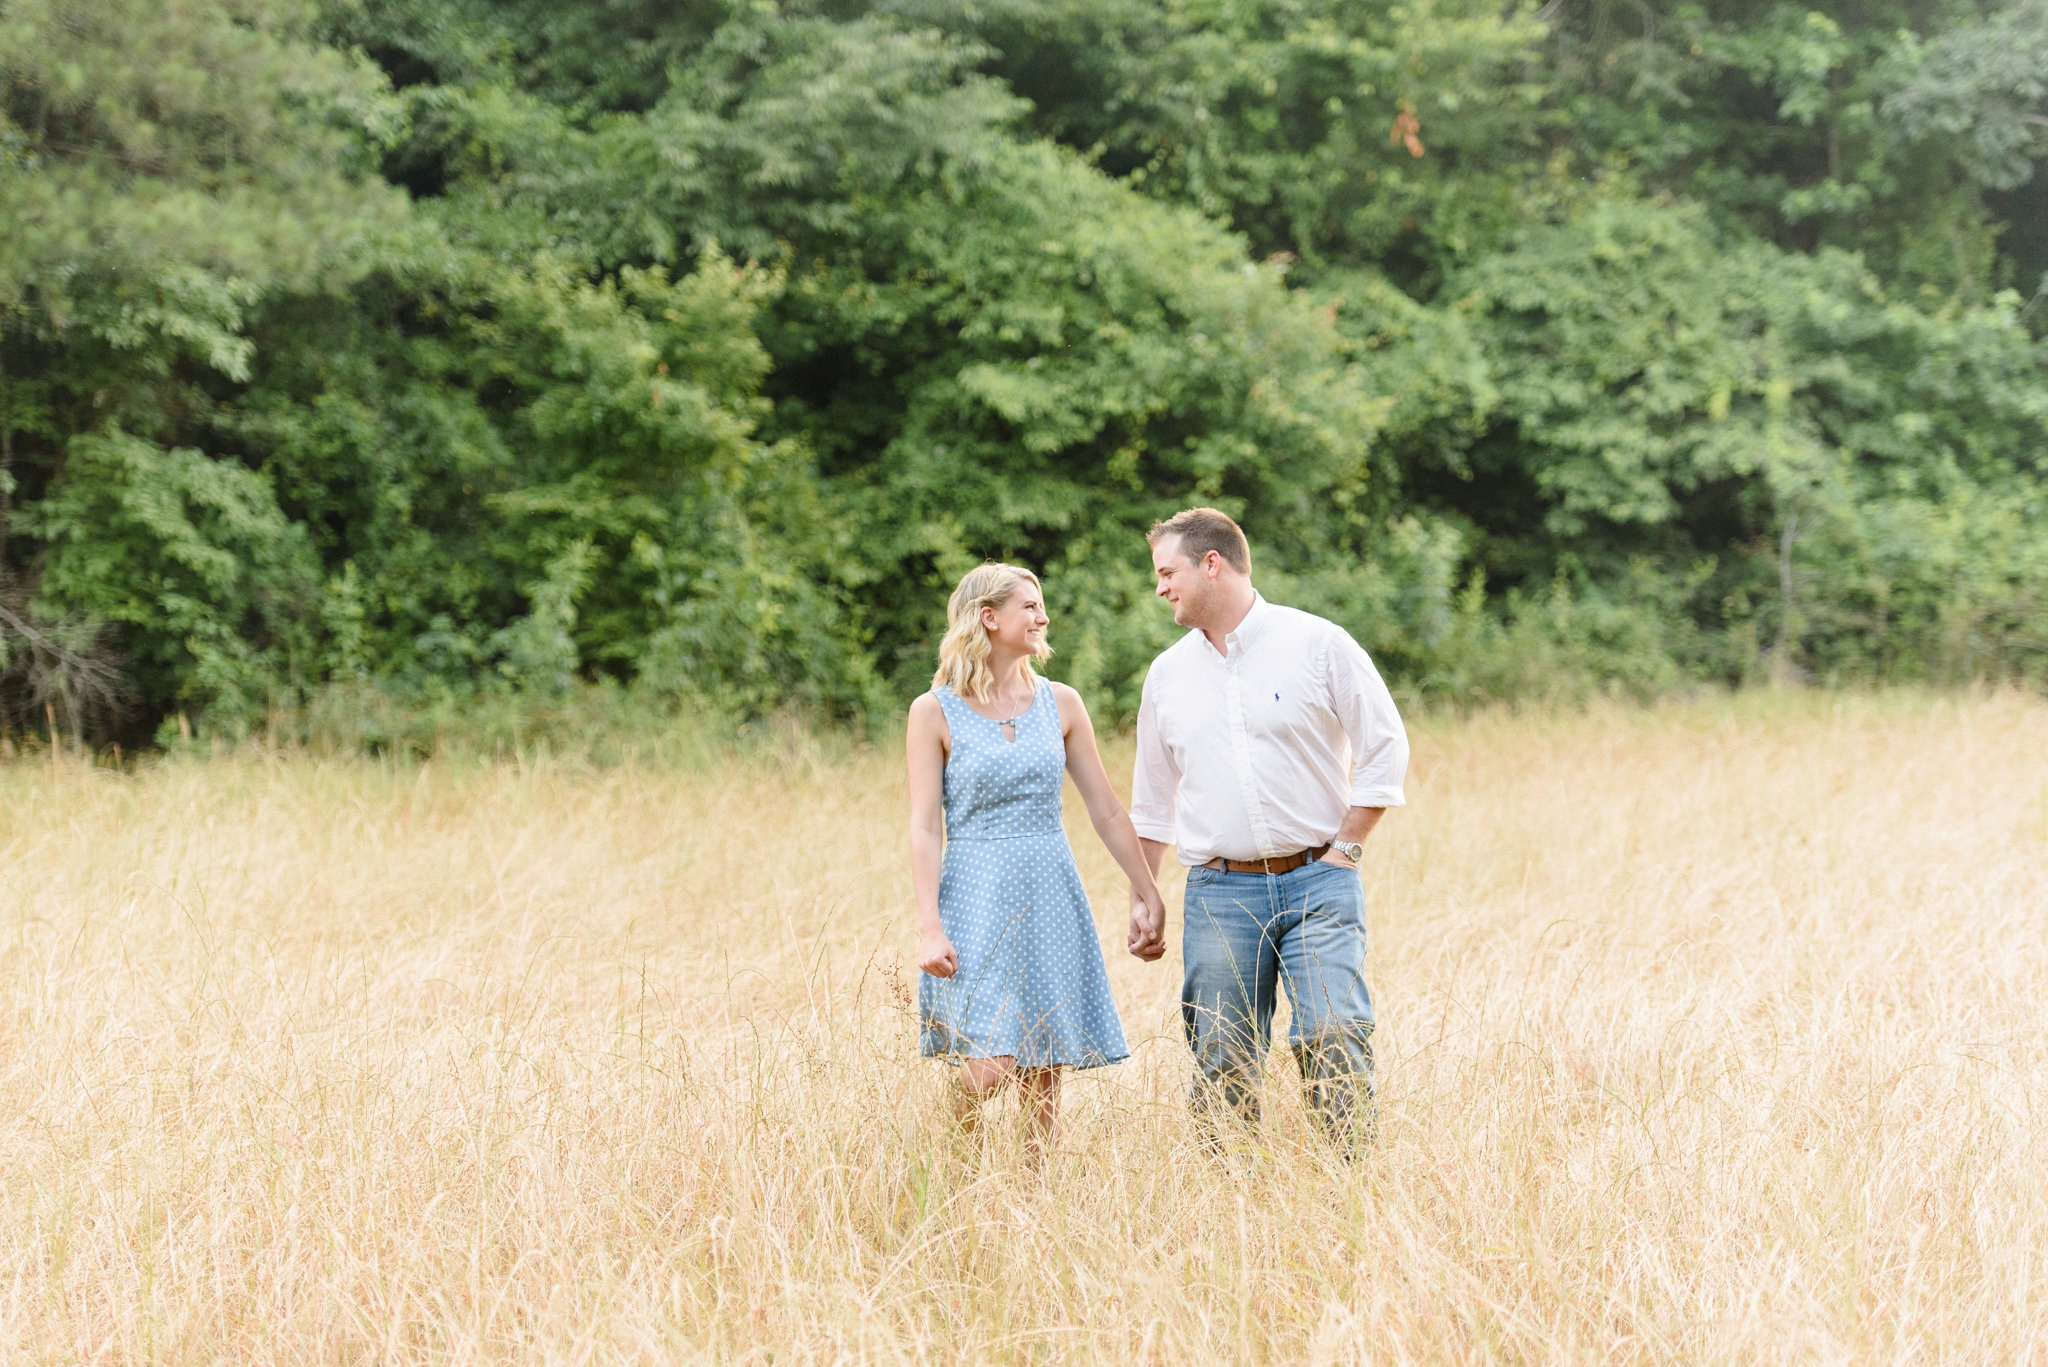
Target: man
1268,748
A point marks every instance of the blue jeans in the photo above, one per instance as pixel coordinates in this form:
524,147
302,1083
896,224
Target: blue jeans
1245,933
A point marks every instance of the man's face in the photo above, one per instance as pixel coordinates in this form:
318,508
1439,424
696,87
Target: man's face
1182,582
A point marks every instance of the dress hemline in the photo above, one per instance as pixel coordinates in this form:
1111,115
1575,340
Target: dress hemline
953,1059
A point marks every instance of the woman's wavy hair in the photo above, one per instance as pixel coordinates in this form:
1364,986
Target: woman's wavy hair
964,651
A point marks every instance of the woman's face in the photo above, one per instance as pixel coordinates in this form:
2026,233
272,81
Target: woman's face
1019,624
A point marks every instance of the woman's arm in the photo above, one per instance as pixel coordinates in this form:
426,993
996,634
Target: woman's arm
924,745
1113,824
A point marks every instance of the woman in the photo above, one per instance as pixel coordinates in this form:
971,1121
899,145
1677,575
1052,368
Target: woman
1014,984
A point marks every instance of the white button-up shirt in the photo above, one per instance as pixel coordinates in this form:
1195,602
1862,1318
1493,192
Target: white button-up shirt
1256,753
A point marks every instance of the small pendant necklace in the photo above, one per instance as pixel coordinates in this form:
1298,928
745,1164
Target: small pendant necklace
1009,724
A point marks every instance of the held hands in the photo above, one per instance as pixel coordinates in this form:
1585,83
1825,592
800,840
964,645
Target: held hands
1148,924
935,955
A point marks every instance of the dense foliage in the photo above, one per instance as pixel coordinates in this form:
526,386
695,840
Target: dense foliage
430,351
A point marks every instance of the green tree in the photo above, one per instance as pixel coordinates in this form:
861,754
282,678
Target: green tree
438,351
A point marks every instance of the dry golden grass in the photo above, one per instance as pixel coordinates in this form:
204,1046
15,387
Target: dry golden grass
1712,1033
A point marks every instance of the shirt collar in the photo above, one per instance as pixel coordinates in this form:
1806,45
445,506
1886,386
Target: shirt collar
1249,630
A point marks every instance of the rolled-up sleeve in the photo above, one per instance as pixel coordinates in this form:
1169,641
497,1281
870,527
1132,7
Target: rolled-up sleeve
1365,709
1155,778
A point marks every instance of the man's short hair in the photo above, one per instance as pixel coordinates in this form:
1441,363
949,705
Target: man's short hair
1202,530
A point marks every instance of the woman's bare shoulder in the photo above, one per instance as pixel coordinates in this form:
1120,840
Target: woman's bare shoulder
927,715
1068,698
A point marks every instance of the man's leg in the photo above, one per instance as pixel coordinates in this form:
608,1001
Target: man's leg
1226,999
1322,957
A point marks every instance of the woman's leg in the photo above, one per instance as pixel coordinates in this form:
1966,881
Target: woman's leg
980,1079
1040,1094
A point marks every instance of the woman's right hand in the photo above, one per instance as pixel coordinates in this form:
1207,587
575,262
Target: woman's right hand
935,955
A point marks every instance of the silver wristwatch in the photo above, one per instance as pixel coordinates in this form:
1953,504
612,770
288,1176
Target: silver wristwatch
1351,849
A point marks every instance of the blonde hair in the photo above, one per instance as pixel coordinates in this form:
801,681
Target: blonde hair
964,651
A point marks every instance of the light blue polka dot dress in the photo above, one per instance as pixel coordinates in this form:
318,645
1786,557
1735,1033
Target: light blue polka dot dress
1030,983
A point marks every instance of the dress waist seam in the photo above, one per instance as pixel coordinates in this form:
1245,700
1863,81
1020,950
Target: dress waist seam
952,839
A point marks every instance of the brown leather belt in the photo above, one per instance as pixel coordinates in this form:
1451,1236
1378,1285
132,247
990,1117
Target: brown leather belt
1284,863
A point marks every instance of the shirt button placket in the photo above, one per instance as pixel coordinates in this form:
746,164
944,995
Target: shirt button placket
1241,748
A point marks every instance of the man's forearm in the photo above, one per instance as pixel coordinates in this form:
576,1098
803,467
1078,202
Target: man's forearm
1358,823
1154,851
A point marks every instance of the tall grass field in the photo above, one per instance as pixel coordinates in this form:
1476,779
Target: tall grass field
1715,1032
